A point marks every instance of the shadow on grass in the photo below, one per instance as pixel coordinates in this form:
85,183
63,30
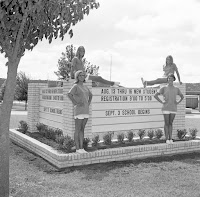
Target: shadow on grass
98,172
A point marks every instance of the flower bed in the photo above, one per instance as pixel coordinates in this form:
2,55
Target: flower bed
101,145
65,144
62,160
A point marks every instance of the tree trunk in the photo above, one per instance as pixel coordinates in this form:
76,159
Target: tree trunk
25,105
5,111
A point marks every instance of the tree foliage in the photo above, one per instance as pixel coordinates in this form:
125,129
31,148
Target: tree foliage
91,68
28,21
65,64
3,87
21,90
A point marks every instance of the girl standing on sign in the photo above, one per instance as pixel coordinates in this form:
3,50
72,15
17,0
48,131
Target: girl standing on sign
170,103
168,68
77,64
81,97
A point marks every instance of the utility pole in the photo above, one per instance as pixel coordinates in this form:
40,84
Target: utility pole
110,66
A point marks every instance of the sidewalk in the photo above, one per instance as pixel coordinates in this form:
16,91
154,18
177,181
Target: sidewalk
195,111
16,116
19,112
192,113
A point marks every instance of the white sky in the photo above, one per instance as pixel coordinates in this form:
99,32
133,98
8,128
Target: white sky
136,35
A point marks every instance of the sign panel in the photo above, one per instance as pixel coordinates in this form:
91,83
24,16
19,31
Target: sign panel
122,109
51,107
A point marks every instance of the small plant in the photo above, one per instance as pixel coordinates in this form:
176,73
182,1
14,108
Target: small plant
86,142
120,138
41,128
130,135
141,133
95,140
51,134
59,139
181,133
68,143
193,133
150,134
58,132
158,133
23,126
107,138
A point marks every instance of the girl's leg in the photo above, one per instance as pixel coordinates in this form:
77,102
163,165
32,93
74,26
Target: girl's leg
101,80
153,82
171,119
78,124
166,126
84,121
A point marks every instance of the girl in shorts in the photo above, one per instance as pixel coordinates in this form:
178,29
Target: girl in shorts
170,103
168,68
81,97
77,64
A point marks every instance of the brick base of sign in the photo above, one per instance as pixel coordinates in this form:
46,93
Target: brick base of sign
102,156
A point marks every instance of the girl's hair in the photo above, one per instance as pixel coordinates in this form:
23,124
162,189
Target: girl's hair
77,73
171,75
78,51
171,59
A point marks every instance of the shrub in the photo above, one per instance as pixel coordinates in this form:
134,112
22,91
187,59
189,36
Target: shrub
150,134
50,134
107,138
130,135
95,140
68,143
58,132
86,142
141,133
23,126
41,128
193,133
59,139
181,133
120,138
158,133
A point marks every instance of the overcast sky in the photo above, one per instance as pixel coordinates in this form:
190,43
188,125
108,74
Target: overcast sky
132,38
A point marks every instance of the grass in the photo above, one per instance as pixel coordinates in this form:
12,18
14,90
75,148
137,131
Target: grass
178,175
32,176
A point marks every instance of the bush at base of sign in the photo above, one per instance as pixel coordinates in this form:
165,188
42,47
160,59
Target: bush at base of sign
54,138
50,136
182,133
23,127
152,137
119,143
